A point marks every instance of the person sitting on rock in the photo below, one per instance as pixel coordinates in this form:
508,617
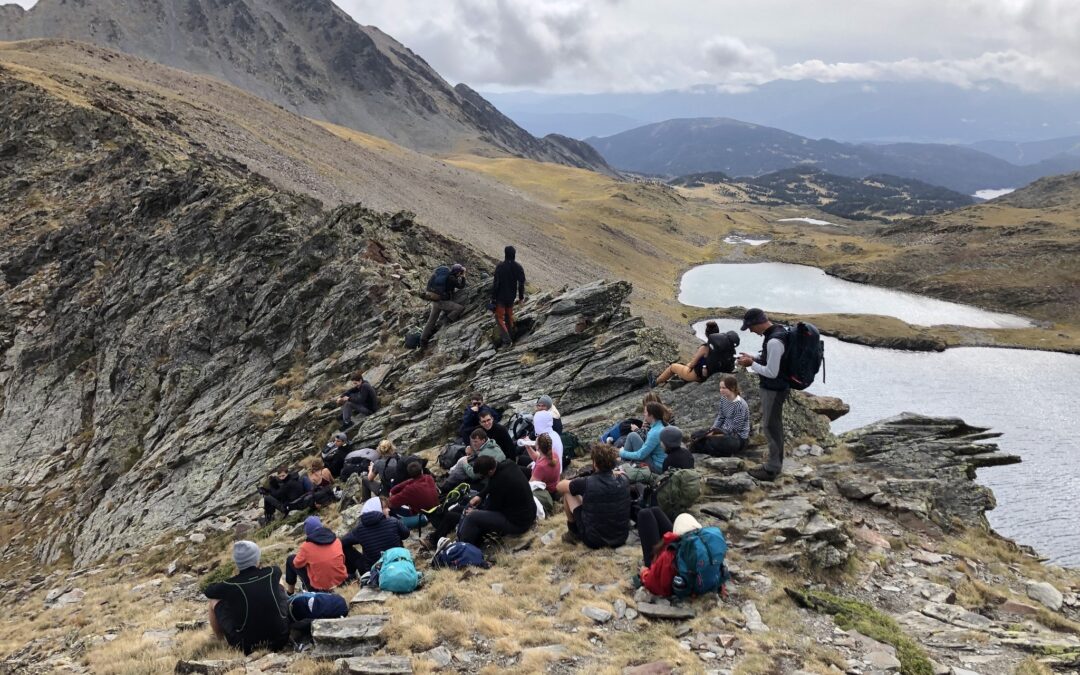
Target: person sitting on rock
730,431
322,484
546,468
285,492
382,473
649,451
334,452
694,371
545,402
544,423
416,494
250,609
598,505
658,543
618,434
504,506
440,291
375,532
359,399
470,419
498,433
479,446
678,456
319,562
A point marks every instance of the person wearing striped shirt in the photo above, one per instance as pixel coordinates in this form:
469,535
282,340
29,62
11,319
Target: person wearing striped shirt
731,429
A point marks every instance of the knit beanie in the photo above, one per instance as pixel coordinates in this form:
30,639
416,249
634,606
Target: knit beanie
246,554
685,523
341,436
671,437
311,524
546,401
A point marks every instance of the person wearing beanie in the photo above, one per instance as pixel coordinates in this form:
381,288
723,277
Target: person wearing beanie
545,402
375,532
678,456
508,284
250,610
658,539
335,451
320,560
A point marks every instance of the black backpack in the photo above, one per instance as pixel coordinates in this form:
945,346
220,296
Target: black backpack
450,455
436,285
520,426
804,355
401,473
721,356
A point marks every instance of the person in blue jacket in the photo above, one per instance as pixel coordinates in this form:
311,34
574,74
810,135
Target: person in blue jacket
650,450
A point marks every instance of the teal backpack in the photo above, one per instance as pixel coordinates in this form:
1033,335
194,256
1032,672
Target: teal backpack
699,562
396,571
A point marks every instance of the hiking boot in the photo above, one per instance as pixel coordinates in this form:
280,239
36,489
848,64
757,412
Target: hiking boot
428,543
651,377
761,473
571,538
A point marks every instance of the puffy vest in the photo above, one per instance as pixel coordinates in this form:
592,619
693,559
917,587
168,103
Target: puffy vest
607,510
778,383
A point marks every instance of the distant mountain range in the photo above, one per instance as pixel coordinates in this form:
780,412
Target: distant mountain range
1031,152
880,196
308,56
683,146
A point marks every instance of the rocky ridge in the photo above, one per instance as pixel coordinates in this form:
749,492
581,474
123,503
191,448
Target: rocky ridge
322,64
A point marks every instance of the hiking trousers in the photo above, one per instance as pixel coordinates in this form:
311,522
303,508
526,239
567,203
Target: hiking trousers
479,522
772,422
348,409
453,311
652,525
504,316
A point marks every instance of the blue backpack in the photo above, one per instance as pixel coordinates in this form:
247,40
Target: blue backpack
437,284
699,560
317,606
396,572
460,555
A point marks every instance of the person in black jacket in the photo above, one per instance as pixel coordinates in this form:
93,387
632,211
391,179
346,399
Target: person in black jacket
470,419
598,506
509,282
334,453
375,532
250,610
285,492
499,434
442,299
505,506
360,399
678,457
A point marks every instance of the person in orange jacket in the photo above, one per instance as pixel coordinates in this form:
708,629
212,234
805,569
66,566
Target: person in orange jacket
320,561
659,540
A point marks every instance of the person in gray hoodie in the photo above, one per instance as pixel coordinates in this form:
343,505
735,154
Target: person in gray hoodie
479,446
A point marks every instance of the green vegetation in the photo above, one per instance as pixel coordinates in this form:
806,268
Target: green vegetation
216,575
852,614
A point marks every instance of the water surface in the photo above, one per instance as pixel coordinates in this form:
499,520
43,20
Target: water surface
799,289
1026,395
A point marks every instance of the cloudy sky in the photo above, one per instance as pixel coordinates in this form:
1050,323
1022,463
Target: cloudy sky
645,45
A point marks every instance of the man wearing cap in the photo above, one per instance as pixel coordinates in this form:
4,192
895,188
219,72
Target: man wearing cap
768,366
250,609
441,293
320,560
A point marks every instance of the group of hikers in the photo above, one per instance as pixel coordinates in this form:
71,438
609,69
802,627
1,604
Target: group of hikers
499,480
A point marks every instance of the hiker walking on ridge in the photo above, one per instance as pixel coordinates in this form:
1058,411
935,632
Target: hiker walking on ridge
774,387
509,283
442,285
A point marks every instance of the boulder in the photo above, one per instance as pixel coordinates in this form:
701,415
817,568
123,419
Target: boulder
351,630
207,667
752,616
375,665
668,612
730,485
829,406
597,614
440,656
1046,594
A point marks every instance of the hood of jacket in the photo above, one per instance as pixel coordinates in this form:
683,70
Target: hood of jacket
322,536
510,253
491,449
372,518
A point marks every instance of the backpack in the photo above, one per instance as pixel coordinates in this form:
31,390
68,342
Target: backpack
317,606
804,355
412,339
396,572
699,563
545,499
436,285
677,490
460,555
520,426
721,356
570,443
450,455
402,469
454,500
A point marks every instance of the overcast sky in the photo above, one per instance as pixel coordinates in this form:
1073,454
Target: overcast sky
645,45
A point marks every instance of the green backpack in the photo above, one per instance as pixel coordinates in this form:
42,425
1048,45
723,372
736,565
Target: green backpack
677,490
544,497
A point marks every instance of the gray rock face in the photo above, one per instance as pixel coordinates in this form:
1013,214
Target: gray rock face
1046,594
375,665
669,612
350,631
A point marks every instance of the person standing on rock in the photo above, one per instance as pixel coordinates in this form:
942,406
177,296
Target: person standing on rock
250,610
509,283
360,399
444,282
730,431
769,367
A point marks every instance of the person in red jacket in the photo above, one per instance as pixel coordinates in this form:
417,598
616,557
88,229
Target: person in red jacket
416,494
320,561
659,539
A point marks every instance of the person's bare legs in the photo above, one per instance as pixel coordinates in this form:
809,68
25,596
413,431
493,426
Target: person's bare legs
214,625
685,373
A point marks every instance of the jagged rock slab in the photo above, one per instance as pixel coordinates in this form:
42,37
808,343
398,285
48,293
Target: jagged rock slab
668,612
730,485
207,667
367,594
353,630
375,665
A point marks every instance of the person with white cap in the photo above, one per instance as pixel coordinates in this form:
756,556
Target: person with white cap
250,610
375,532
658,536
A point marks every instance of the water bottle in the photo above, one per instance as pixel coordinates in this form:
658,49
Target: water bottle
678,585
